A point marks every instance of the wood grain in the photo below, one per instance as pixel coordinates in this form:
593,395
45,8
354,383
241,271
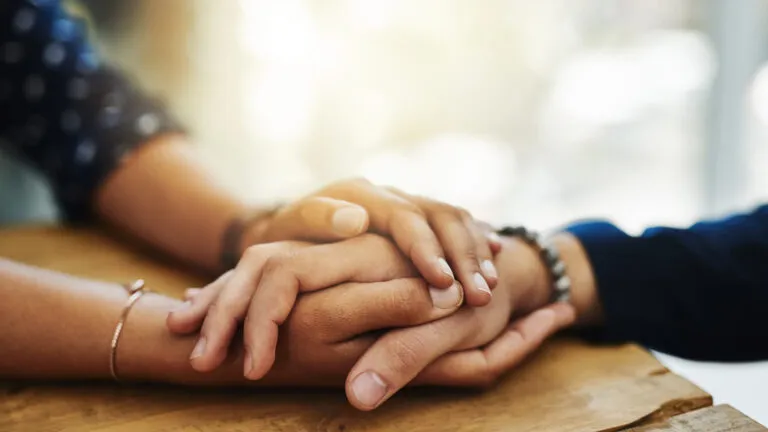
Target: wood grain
567,386
722,418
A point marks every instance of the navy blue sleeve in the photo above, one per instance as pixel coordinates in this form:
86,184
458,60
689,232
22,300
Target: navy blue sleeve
700,293
64,111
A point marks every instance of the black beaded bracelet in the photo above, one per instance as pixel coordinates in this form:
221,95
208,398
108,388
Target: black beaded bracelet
232,239
561,283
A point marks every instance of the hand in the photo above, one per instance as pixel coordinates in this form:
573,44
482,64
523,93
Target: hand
436,237
401,355
329,330
264,287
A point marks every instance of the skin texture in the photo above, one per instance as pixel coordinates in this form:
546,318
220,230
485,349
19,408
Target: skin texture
150,197
163,196
403,354
320,343
152,194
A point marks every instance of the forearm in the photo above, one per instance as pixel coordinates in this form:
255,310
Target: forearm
164,196
56,326
522,264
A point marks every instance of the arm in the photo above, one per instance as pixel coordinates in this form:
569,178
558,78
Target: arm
59,327
102,142
699,292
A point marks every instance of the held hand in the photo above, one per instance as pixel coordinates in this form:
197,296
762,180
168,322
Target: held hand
438,238
330,330
264,287
401,355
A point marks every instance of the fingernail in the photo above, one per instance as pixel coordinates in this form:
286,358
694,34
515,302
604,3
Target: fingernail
349,220
489,269
199,348
191,292
493,237
447,298
481,284
444,267
184,306
248,365
369,389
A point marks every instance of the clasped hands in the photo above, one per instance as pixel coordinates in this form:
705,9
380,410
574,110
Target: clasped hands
376,286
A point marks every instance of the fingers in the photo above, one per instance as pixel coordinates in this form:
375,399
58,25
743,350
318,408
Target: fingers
465,255
367,258
484,252
483,367
349,310
228,310
191,293
494,242
395,359
493,239
400,219
318,219
188,318
465,244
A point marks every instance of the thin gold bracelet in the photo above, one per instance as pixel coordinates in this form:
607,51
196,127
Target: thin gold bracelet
135,291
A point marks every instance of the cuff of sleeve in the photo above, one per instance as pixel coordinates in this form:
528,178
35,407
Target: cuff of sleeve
627,269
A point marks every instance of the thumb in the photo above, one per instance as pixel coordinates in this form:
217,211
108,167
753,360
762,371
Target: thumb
318,219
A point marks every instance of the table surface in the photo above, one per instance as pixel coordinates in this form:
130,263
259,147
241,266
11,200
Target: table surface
567,386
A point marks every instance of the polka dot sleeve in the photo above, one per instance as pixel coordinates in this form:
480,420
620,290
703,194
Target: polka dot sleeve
61,109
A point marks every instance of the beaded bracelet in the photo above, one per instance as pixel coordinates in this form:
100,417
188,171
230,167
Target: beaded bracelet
561,283
232,239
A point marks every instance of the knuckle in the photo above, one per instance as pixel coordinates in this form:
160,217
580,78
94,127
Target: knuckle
405,354
483,252
305,320
375,242
471,255
253,253
360,181
408,302
278,263
441,209
463,214
347,185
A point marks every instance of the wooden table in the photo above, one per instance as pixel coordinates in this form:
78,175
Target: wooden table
567,386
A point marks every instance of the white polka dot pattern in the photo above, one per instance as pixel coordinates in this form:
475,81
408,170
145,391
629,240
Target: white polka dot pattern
24,20
71,116
54,54
147,124
85,152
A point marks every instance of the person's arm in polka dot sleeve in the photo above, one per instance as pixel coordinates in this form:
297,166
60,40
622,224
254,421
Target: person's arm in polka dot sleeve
108,150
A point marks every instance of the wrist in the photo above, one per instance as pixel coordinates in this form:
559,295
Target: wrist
243,230
148,352
521,265
584,295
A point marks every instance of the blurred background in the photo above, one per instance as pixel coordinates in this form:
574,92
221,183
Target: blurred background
644,112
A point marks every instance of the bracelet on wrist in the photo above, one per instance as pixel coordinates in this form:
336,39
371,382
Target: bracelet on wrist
135,291
561,283
232,239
